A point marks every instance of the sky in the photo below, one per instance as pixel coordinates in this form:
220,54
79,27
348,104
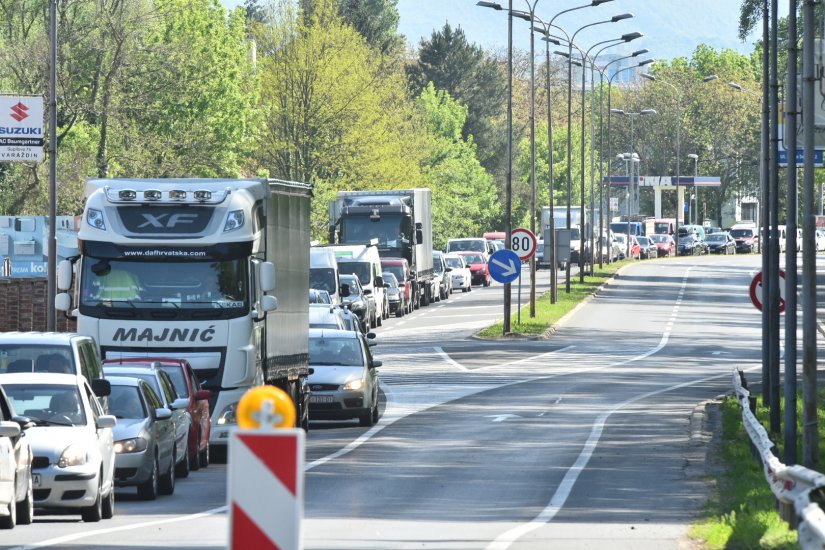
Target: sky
671,28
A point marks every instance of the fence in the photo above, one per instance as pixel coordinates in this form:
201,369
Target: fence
797,489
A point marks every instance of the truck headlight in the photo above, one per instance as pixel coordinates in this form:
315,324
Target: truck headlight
73,455
94,218
234,220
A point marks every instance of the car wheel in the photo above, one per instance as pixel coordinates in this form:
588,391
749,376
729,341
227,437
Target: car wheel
195,458
182,468
379,319
148,490
9,521
400,311
486,282
25,509
94,513
204,456
366,419
166,483
375,411
109,504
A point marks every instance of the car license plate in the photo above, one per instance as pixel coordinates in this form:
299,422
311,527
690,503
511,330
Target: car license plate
35,480
320,399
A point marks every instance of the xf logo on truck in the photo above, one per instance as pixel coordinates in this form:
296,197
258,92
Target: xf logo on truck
166,221
165,335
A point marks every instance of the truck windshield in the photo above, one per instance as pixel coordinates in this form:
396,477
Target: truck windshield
167,285
359,269
392,231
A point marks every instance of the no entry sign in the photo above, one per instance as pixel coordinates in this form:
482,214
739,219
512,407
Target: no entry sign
756,291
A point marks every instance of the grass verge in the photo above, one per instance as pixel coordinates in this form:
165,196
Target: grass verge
743,514
546,313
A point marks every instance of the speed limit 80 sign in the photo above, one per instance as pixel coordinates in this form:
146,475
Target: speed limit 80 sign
523,243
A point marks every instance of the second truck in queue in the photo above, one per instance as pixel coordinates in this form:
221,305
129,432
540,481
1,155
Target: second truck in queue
183,268
400,221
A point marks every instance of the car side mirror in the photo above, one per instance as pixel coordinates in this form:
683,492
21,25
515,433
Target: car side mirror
448,269
203,395
101,387
9,429
179,403
163,414
106,421
24,422
344,290
376,363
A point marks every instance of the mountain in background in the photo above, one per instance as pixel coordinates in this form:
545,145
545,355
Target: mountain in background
672,28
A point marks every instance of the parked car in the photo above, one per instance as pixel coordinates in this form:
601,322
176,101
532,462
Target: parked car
621,243
461,276
721,243
745,237
144,438
442,273
356,301
647,248
343,380
820,240
395,294
16,492
401,269
635,248
690,245
477,263
665,245
165,389
74,460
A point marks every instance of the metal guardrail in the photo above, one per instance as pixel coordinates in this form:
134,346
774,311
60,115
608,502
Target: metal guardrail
791,485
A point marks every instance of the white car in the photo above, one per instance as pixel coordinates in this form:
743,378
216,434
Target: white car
74,459
16,498
460,272
820,240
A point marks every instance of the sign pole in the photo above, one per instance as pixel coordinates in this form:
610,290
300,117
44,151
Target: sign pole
52,263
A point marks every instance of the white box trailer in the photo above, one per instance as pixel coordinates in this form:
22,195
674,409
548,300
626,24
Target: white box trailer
183,267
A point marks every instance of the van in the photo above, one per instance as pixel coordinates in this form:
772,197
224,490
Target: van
323,272
635,228
745,236
363,262
478,244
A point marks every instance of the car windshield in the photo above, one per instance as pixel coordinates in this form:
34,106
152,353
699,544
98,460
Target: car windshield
686,240
473,258
397,270
715,238
125,402
48,404
147,376
643,241
658,238
389,279
335,351
741,233
352,282
453,263
178,379
41,358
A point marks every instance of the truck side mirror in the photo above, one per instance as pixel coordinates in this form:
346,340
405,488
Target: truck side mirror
419,236
269,302
62,302
64,275
266,276
379,282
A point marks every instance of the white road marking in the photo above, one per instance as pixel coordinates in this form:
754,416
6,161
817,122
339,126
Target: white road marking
450,360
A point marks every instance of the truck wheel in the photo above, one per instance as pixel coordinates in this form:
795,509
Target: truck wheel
426,298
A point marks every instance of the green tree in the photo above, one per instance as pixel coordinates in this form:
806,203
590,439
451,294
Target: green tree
376,20
464,195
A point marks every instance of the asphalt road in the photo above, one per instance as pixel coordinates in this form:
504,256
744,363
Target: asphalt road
593,438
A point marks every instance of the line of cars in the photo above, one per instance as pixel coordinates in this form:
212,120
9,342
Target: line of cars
73,428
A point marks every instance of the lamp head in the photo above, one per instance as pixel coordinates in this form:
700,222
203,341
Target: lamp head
648,112
621,17
598,2
631,36
522,15
645,62
693,156
639,52
617,111
735,86
710,78
577,63
649,76
551,40
489,5
563,54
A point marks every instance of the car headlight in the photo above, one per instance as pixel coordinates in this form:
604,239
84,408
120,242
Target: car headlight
353,385
73,455
134,445
228,415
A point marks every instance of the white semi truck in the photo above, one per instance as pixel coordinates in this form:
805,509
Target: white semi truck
401,223
182,268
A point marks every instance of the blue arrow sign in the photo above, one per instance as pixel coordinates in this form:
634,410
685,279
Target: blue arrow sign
504,266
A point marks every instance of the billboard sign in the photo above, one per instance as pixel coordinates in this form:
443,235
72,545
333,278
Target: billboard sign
21,128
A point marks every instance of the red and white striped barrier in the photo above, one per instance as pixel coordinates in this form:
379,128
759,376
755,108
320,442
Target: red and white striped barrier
265,474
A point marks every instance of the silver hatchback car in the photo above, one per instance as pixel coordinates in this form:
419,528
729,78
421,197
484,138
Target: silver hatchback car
344,379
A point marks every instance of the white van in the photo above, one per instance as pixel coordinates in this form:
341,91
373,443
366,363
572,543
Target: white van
468,245
323,272
363,262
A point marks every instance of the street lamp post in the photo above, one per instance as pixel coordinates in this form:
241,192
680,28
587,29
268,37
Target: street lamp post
678,136
509,177
632,117
695,197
